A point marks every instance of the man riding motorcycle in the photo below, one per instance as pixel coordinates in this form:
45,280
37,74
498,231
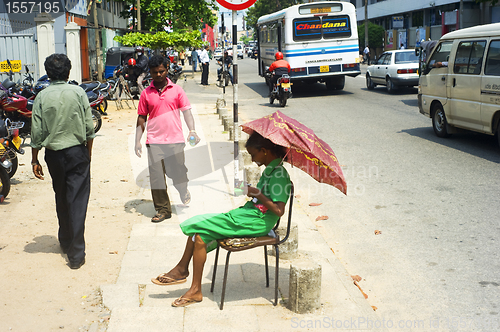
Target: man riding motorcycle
278,68
228,61
141,68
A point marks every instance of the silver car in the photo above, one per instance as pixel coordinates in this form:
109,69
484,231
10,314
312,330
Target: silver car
393,69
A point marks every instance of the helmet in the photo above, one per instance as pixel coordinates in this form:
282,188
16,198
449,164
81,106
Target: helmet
131,62
278,56
139,49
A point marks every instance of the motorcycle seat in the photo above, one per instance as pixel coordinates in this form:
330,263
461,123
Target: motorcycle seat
89,86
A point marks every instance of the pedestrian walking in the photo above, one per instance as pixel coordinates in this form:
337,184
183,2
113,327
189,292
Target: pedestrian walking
194,59
161,105
188,54
205,61
62,124
182,57
366,53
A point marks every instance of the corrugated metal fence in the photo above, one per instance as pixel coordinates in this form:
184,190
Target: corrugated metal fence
17,42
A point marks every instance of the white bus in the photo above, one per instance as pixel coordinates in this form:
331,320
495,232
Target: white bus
319,40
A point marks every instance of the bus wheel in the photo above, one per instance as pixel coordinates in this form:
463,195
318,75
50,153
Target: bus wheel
335,83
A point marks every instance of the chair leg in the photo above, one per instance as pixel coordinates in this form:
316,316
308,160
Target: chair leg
215,269
276,276
224,282
267,266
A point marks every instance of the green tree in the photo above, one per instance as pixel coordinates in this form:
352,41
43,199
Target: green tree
162,39
264,7
245,39
376,34
158,14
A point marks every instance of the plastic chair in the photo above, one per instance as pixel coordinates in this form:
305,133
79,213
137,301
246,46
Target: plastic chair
241,244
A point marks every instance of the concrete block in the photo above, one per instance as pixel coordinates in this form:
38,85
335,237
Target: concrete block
305,286
246,158
227,122
231,132
222,112
289,248
251,174
221,103
120,296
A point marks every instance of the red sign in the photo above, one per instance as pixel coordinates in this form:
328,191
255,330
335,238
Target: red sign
236,4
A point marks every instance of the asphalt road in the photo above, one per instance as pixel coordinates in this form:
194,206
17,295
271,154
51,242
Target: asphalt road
435,265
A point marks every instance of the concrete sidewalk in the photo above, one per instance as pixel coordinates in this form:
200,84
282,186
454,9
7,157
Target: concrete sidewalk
137,304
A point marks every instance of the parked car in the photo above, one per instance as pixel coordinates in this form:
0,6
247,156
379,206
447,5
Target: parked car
218,53
239,49
393,69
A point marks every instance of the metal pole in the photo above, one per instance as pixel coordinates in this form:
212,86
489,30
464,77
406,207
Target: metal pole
235,103
366,23
97,43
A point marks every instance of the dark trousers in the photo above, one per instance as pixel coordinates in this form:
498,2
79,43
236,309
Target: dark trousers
166,159
204,73
70,172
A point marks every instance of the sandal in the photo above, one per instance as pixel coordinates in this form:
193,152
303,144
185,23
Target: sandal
184,301
164,280
187,198
159,217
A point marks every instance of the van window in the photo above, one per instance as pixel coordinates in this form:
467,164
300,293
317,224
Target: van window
469,57
492,66
441,53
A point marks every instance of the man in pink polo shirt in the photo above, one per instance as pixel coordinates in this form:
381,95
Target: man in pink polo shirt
163,102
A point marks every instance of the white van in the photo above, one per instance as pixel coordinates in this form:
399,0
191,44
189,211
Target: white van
460,82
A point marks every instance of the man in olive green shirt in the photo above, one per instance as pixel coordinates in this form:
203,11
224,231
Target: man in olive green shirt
62,124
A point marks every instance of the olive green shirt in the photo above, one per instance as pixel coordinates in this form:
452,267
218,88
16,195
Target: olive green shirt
61,117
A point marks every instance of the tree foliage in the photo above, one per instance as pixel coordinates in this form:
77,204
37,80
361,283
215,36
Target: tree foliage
158,14
376,35
264,7
162,39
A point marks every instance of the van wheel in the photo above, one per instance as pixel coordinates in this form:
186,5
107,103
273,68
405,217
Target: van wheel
439,122
390,85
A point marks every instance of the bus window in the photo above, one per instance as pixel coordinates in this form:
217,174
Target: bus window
307,29
336,27
493,59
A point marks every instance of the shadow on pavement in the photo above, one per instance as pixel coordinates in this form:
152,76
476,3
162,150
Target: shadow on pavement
479,145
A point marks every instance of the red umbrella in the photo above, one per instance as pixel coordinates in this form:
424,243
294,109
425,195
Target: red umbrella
307,151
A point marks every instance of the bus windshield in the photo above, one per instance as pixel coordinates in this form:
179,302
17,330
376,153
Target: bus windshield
316,28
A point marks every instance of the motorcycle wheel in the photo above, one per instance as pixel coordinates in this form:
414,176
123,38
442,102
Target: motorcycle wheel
226,80
4,183
283,99
12,157
105,105
96,117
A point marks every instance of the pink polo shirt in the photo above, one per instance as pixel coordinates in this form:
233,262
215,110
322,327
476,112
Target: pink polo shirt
164,113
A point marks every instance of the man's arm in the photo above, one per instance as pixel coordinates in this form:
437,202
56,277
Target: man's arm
188,117
37,168
139,130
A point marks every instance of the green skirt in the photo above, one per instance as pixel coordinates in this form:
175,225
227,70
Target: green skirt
245,221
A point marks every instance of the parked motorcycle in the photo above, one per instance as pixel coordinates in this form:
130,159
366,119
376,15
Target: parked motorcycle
282,90
17,109
5,164
11,146
174,72
224,77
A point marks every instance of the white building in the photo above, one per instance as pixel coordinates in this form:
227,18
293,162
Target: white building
409,21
